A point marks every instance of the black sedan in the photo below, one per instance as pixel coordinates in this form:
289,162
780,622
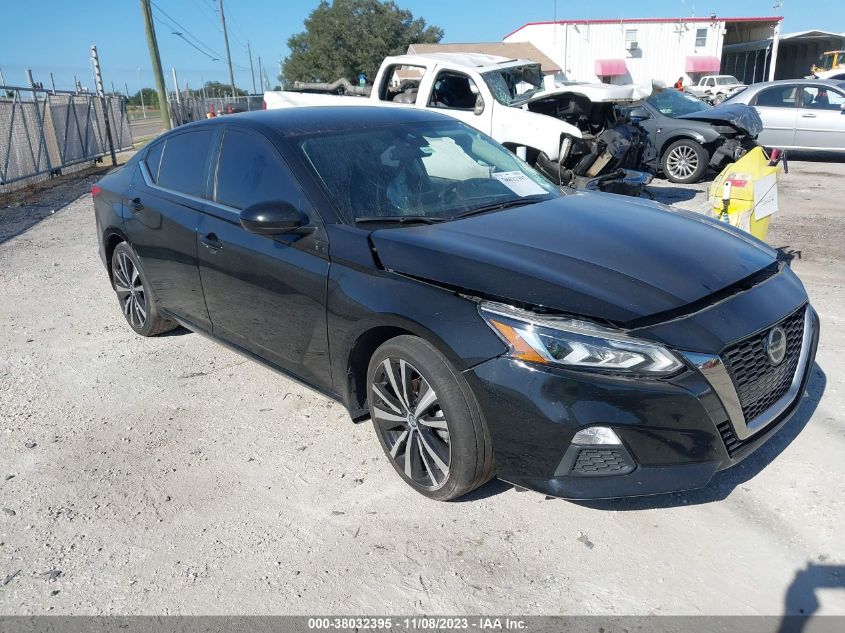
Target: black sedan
582,344
688,135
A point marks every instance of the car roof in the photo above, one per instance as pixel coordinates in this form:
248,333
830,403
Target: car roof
310,119
478,61
830,83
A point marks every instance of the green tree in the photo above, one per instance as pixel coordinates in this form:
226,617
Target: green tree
150,99
347,37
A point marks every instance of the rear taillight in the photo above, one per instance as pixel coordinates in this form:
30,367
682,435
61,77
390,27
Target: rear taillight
96,191
263,104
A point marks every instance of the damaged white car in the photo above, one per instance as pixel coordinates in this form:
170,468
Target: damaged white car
572,133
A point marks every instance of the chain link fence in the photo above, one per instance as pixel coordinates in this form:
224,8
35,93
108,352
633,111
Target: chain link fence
187,109
44,132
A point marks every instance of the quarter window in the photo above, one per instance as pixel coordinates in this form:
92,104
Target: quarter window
153,160
700,38
183,166
251,171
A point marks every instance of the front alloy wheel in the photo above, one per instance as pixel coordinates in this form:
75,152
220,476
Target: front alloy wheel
411,422
427,419
684,161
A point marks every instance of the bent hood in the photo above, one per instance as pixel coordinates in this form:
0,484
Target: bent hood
628,94
591,254
739,115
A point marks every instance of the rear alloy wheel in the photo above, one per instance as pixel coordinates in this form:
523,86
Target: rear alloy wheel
427,420
134,294
684,161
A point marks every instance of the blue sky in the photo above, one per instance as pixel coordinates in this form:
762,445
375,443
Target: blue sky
56,35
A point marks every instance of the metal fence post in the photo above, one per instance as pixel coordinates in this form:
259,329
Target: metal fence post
42,139
102,94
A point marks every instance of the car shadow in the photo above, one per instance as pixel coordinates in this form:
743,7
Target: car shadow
724,482
801,600
178,331
671,195
23,209
815,157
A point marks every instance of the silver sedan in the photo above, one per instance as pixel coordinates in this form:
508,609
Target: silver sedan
799,114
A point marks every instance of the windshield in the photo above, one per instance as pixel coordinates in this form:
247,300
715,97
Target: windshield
726,80
515,84
431,170
673,103
825,61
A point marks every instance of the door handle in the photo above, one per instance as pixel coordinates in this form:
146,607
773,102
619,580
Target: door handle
135,205
809,115
211,242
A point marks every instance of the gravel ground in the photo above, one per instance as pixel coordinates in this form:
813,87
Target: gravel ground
171,476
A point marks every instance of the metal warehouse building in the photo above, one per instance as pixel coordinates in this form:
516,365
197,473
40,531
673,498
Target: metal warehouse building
642,49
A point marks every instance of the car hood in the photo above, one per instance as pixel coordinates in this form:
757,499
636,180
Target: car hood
738,115
629,94
592,254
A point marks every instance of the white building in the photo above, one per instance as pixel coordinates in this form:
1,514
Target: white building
642,49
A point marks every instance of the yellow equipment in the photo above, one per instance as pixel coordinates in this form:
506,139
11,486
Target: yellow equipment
745,194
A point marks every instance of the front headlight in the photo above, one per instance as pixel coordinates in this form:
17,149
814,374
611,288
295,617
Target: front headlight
551,340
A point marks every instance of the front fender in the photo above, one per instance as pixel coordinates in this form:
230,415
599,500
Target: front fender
514,126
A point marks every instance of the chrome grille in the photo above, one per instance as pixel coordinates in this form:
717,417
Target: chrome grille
758,383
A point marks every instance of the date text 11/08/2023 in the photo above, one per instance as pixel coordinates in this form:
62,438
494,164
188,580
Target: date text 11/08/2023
418,623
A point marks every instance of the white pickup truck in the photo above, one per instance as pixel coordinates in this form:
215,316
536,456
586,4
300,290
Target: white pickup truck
715,88
568,130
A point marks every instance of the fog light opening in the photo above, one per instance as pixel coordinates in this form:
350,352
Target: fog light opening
596,435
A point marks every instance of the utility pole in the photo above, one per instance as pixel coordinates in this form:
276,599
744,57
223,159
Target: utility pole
52,82
98,78
176,87
251,70
260,73
228,54
155,60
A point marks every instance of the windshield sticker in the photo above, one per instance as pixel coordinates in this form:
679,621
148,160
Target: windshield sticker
519,183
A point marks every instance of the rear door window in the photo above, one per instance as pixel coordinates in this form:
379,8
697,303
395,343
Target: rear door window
778,97
183,166
251,171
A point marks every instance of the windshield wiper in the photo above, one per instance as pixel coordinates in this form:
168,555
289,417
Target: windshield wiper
498,206
399,219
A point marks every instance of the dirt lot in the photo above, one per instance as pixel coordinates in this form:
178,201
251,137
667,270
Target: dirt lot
169,475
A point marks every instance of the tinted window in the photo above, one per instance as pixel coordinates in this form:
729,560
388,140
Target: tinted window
184,161
777,97
251,171
153,160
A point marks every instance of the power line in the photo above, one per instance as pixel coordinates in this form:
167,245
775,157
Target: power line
178,26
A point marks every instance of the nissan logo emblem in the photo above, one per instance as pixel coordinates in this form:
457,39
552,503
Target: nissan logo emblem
776,345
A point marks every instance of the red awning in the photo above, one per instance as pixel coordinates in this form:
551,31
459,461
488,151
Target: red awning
611,67
702,64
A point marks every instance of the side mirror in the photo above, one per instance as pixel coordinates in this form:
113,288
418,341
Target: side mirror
271,218
638,114
479,105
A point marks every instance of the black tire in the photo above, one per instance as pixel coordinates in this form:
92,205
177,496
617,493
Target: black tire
684,161
458,426
134,294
